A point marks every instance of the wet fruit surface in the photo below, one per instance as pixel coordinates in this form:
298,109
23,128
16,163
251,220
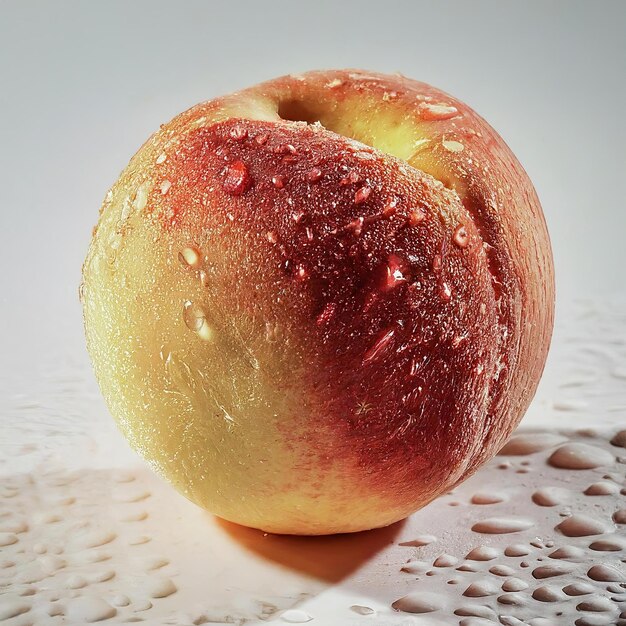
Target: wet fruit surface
334,331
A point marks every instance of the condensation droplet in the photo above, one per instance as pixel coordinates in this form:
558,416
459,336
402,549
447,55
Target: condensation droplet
295,616
578,456
190,256
237,179
502,525
418,602
460,236
278,181
453,146
434,112
581,526
195,319
362,610
416,216
314,175
362,194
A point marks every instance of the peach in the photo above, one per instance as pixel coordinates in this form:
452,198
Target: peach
318,303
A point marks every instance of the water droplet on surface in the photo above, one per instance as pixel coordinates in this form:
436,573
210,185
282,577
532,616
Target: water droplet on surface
597,604
76,582
295,616
314,175
159,586
394,275
453,146
547,593
578,589
612,543
89,609
578,456
13,525
238,133
502,525
421,540
619,439
416,216
514,584
602,488
278,181
418,602
550,496
502,570
141,605
568,553
445,560
390,208
529,443
549,571
512,599
415,567
351,178
141,197
435,112
606,574
12,606
581,526
362,610
619,517
461,236
481,589
333,84
483,498
445,292
120,600
7,539
518,549
237,179
190,256
193,316
362,194
483,553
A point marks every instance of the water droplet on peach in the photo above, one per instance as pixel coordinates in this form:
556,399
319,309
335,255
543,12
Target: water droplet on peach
362,194
434,112
238,133
314,175
190,256
416,216
461,236
236,179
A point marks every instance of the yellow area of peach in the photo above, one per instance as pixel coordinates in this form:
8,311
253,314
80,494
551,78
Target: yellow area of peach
206,390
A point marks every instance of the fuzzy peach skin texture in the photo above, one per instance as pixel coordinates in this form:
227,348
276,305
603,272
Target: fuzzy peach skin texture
316,304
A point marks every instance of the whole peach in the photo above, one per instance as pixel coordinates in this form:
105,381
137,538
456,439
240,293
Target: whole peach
316,304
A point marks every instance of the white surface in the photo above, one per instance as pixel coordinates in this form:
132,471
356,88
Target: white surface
83,84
